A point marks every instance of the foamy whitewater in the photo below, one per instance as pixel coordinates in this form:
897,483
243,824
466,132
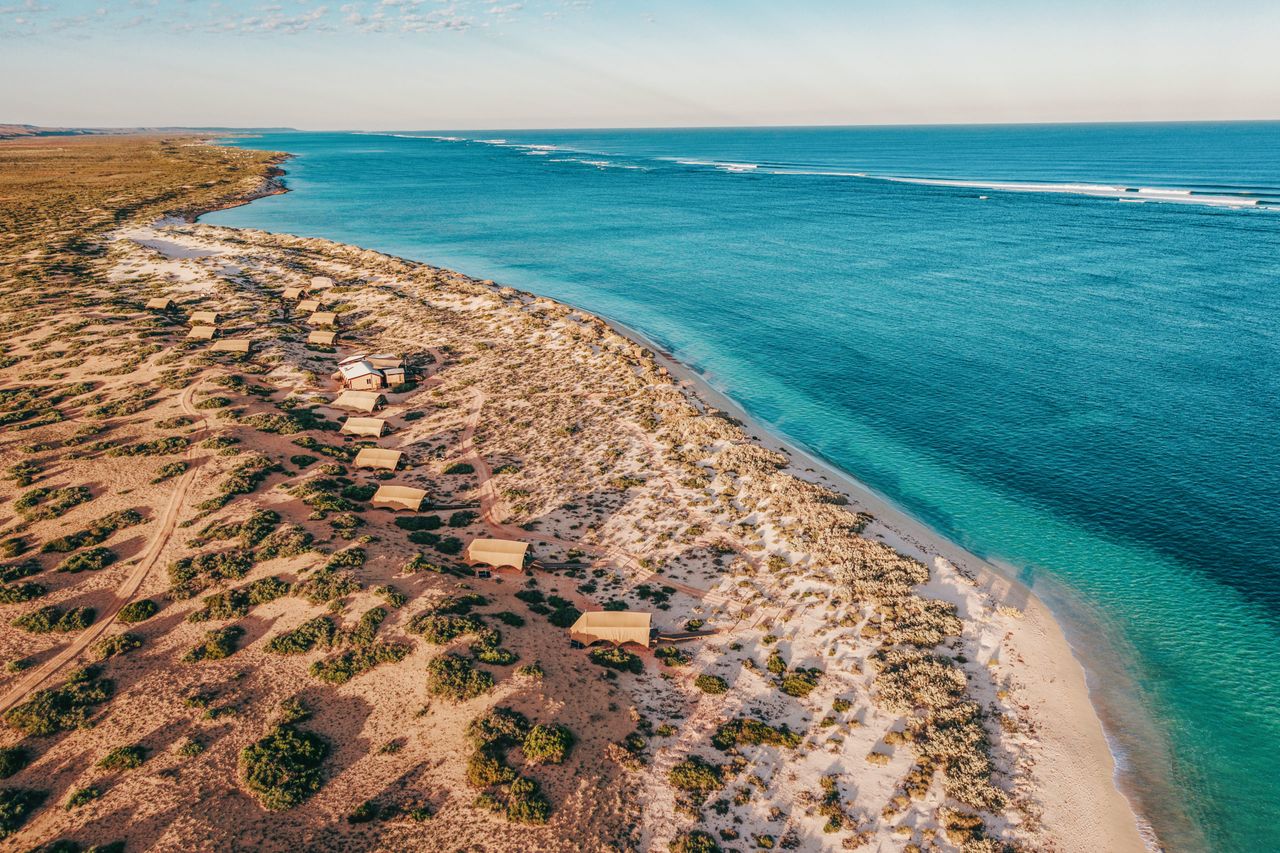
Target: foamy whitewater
1059,346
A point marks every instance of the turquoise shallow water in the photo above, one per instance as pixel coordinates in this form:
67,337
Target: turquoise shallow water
1080,389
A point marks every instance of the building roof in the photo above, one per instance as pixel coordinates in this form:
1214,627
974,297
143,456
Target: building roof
320,336
309,305
160,303
612,626
321,282
231,345
385,360
292,292
363,426
202,333
399,497
322,318
352,358
497,552
361,401
203,318
376,457
354,370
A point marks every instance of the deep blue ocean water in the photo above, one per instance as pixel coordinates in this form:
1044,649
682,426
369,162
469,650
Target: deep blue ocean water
1082,390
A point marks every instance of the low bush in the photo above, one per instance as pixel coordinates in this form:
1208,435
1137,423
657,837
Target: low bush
319,631
453,677
90,560
800,682
526,802
696,776
97,532
61,708
695,841
617,658
217,645
346,665
124,758
13,759
116,644
745,730
16,805
712,684
418,522
499,727
672,655
284,768
52,619
546,744
168,471
138,611
460,468
39,504
191,575
20,592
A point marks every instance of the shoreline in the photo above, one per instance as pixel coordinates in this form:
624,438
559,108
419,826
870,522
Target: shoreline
1064,708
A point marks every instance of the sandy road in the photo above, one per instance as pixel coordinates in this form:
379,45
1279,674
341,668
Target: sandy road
166,524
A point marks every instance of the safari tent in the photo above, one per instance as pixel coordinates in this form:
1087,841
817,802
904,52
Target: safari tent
376,457
361,401
159,303
308,305
201,333
612,626
321,282
292,293
399,497
322,318
363,426
497,552
231,345
322,338
203,318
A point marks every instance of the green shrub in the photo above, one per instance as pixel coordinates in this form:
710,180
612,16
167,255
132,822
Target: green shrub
696,776
288,541
531,670
116,644
672,656
450,545
712,684
460,468
800,682
345,666
13,759
157,447
454,677
83,796
39,504
418,522
168,471
462,518
745,730
99,531
546,744
617,658
19,592
526,803
91,560
284,768
327,585
485,769
303,460
319,631
61,708
695,841
138,611
17,571
124,757
16,805
499,727
190,575
50,619
440,629
217,645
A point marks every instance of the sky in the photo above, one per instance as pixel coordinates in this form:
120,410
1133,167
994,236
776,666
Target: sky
473,64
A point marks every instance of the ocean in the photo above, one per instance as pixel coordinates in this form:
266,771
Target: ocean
1058,346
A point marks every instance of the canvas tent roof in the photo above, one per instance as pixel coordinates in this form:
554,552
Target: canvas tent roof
385,360
309,305
203,318
322,318
321,282
362,401
354,369
376,457
292,292
202,333
497,552
231,345
363,426
399,497
320,336
613,626
160,303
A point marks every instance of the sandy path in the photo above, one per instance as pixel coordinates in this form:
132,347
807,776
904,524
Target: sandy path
167,524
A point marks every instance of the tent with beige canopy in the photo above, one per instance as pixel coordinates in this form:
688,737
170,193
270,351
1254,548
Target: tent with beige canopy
399,497
231,345
322,338
203,318
497,552
323,318
361,401
321,282
201,333
363,426
376,457
159,303
292,293
309,305
612,626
